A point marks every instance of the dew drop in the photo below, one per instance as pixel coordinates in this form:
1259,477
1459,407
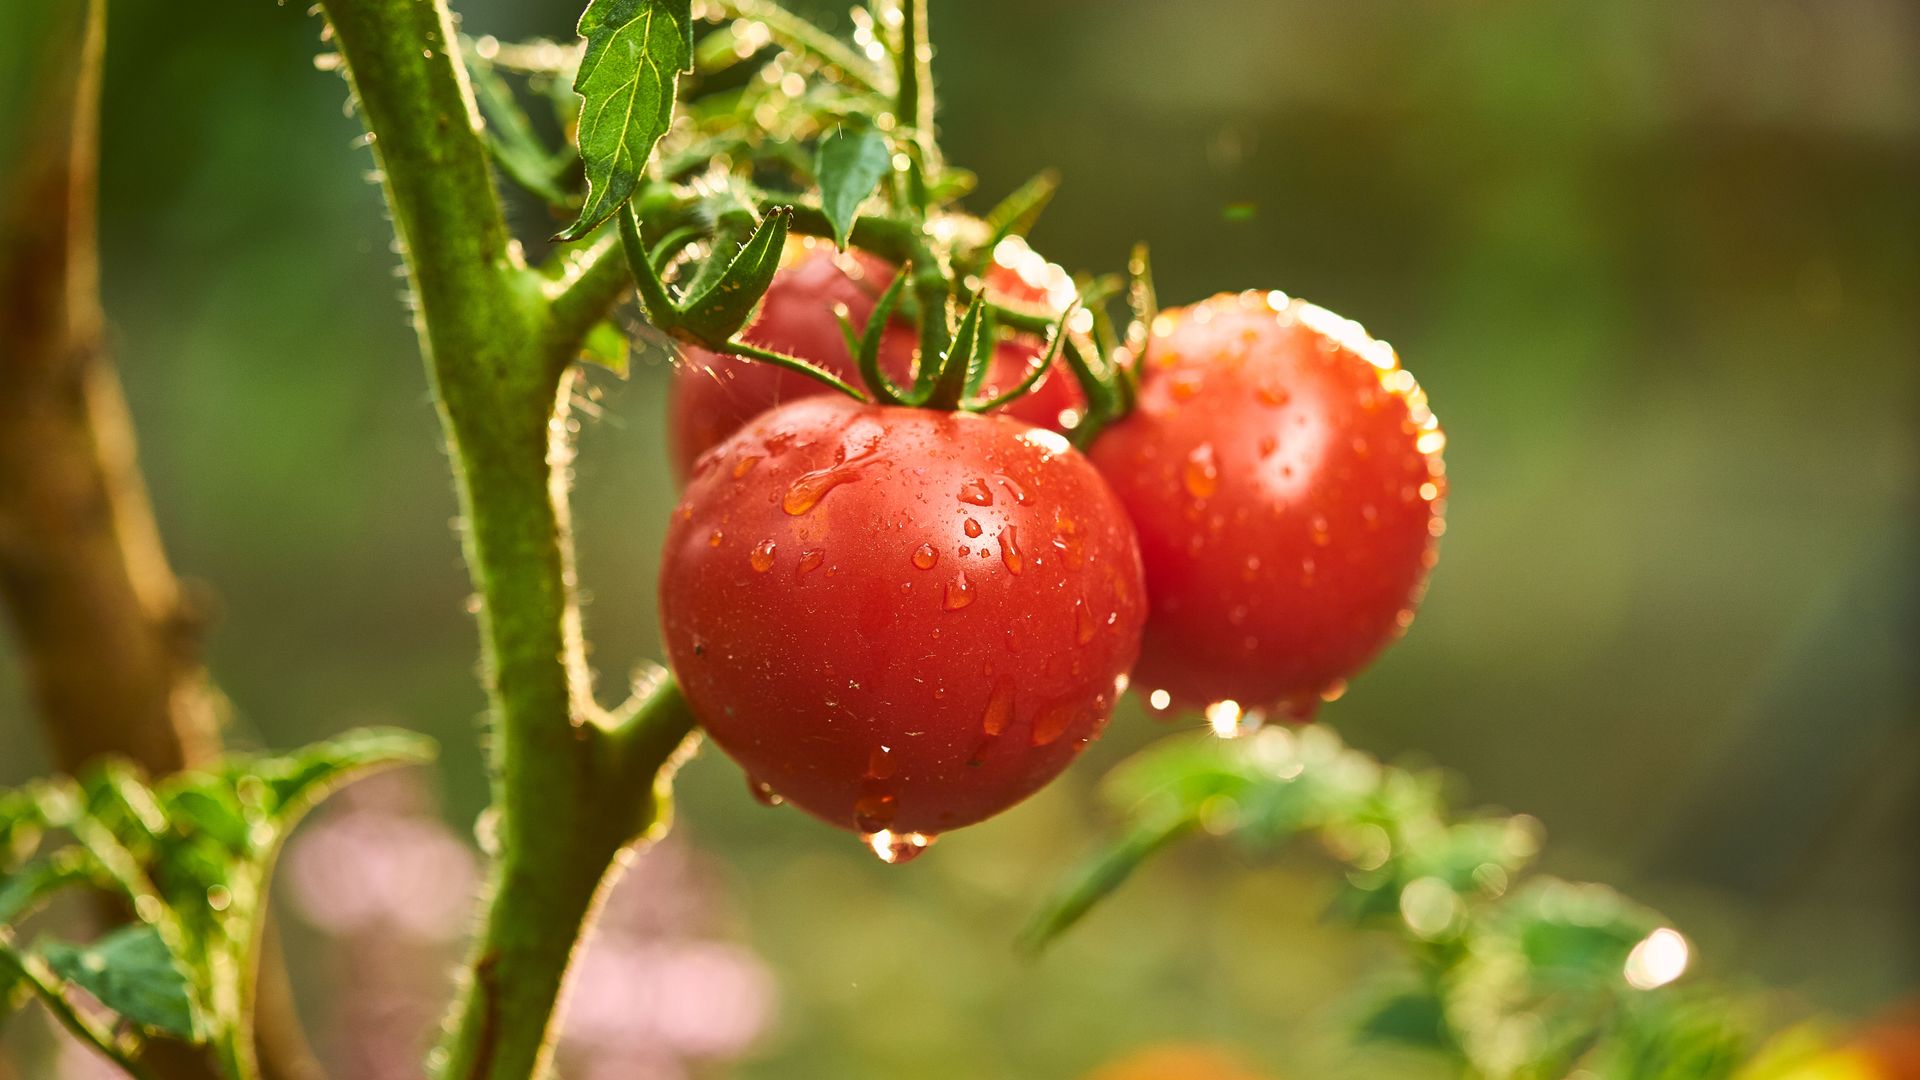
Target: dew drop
1335,690
1019,493
1010,551
763,792
896,848
1202,474
874,810
976,493
761,558
810,560
1087,625
999,709
1274,394
1052,723
714,539
959,592
972,527
745,465
880,763
924,556
1268,444
806,492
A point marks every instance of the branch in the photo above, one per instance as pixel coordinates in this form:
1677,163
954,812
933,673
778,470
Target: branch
107,635
572,786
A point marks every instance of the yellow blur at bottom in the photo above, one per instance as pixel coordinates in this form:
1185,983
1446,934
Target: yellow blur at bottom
1176,1062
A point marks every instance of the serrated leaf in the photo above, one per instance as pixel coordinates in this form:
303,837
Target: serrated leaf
635,52
131,972
850,165
286,786
713,317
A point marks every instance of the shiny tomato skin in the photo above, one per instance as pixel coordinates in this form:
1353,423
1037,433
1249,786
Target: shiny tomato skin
1284,475
899,619
713,395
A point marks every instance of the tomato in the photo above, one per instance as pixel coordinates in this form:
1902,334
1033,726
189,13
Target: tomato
1284,474
900,620
713,394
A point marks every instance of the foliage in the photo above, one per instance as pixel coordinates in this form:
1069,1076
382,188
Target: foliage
1510,976
190,855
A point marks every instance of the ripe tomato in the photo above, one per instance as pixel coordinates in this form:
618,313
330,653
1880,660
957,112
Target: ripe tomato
902,620
1284,474
713,394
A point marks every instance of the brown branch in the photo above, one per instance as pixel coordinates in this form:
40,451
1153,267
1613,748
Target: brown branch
108,637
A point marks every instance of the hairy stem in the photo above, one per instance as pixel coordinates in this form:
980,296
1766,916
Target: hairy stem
569,791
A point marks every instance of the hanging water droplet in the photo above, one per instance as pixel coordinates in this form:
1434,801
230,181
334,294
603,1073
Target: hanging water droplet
1335,690
924,556
761,557
896,848
874,810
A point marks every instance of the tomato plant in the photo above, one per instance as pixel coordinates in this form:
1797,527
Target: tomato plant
1284,473
713,394
895,591
900,620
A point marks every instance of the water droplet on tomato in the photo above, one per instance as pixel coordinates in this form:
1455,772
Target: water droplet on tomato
745,465
1010,551
714,538
761,558
972,527
1019,493
999,709
874,810
959,592
1202,474
976,493
1087,624
924,556
810,560
1053,722
1320,526
806,492
896,848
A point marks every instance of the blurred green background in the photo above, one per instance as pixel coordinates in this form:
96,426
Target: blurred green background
1655,262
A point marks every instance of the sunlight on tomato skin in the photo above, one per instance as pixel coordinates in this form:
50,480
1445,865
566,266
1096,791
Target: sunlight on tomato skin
1285,477
713,395
899,620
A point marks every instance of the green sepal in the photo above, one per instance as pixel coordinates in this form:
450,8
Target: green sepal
713,317
866,351
953,369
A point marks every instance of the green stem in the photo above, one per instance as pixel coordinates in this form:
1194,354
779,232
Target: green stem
568,795
801,36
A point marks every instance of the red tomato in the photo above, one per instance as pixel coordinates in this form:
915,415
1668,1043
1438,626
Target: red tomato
901,620
1284,474
713,394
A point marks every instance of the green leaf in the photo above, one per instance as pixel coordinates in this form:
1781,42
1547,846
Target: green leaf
607,346
851,164
713,317
635,52
131,972
285,787
1415,1018
23,891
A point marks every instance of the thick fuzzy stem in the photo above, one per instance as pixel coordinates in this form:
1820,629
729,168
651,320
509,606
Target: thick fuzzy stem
568,793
